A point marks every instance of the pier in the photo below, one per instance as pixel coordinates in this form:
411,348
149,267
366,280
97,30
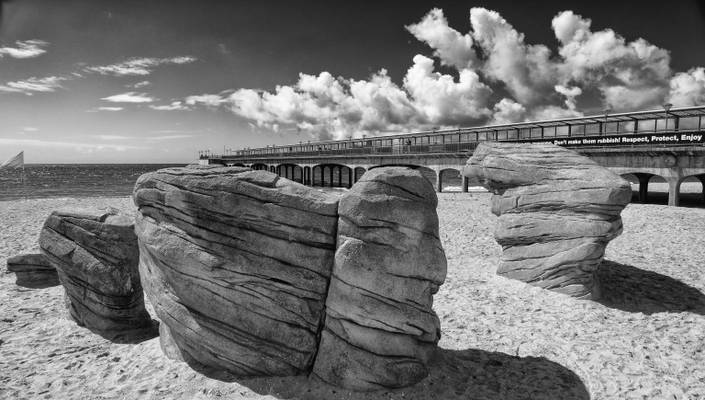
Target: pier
668,143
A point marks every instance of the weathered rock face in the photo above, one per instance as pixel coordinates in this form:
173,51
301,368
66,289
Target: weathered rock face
236,264
380,329
96,256
557,212
33,271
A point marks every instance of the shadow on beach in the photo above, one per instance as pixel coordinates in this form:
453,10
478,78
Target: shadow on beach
454,374
689,200
631,289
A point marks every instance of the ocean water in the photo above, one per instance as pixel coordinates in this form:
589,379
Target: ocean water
73,180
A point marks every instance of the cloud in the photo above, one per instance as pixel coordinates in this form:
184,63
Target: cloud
688,88
328,106
138,66
570,94
449,45
77,146
525,70
139,84
114,137
143,138
25,49
211,100
443,101
110,108
29,129
168,137
508,111
490,75
34,85
628,74
129,97
174,106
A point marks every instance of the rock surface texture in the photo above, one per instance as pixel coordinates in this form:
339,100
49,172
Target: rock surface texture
557,212
33,271
236,264
96,256
380,329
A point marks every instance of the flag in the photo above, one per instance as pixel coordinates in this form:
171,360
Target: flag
14,162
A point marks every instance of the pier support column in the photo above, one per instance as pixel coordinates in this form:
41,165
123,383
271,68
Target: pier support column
350,177
674,195
643,187
465,184
439,181
330,175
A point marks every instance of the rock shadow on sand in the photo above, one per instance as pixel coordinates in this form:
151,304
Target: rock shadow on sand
631,289
454,374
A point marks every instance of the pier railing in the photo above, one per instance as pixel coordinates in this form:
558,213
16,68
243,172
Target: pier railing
642,129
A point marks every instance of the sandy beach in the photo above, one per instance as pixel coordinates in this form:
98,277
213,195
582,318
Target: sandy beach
501,338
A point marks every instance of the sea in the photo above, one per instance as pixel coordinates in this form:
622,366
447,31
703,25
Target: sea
73,180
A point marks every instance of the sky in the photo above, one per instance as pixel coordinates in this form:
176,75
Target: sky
93,81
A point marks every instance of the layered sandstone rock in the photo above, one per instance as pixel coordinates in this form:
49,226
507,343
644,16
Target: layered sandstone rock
96,256
380,329
33,271
236,264
557,212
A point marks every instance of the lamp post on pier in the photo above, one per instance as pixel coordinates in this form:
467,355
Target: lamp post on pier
667,107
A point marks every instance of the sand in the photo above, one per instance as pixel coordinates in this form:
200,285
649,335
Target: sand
501,339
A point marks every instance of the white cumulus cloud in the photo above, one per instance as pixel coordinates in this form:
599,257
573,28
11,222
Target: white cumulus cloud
490,75
442,100
688,88
449,45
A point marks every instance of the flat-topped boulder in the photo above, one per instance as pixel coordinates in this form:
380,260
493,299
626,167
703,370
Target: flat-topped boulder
33,271
96,256
236,263
380,329
557,212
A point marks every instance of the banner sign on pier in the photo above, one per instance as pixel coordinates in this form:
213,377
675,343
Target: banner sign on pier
671,138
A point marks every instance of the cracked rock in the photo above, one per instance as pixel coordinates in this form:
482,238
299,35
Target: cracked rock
380,329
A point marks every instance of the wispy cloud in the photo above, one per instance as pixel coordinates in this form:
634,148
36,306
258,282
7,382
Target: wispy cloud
29,129
25,49
143,138
169,137
114,137
78,146
139,84
110,108
129,97
174,106
210,100
34,85
138,66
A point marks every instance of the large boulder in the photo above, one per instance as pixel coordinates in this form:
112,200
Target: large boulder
236,264
33,271
557,212
96,256
380,329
